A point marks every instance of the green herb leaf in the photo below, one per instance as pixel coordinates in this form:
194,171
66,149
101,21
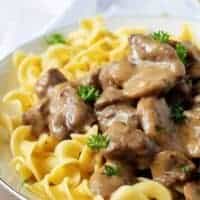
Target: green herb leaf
55,38
181,52
98,141
88,93
111,170
177,113
161,36
185,168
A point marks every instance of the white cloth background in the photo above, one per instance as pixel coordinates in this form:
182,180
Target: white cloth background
21,20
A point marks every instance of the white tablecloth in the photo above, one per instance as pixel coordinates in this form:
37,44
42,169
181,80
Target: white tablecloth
21,20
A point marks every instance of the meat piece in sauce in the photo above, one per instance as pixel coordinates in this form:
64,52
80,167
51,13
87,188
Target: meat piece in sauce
193,60
130,144
171,167
68,112
157,67
37,117
120,112
144,49
104,185
148,81
110,96
190,132
192,191
115,74
155,119
48,80
154,116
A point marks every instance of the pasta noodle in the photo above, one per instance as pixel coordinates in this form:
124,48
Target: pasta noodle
144,190
60,170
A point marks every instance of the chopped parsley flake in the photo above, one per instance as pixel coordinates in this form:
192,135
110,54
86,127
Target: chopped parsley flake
98,141
181,52
185,168
177,113
161,36
55,39
88,93
111,170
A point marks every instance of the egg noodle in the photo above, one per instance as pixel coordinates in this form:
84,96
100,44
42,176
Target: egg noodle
55,170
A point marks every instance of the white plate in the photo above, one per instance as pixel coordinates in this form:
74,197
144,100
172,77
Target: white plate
10,181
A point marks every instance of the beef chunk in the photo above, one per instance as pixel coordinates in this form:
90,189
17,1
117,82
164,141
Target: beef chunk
48,80
131,144
144,49
190,132
155,119
104,185
68,112
171,167
157,67
37,117
115,74
192,191
148,81
120,112
110,96
154,116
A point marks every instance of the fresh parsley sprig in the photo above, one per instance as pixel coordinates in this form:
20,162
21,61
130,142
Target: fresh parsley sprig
55,38
177,113
98,141
185,168
161,36
88,93
181,52
111,170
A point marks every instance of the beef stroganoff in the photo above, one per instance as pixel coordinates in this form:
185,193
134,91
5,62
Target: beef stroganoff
104,115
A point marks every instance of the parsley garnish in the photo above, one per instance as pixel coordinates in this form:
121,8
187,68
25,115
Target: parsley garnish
181,52
177,113
55,39
111,170
98,141
88,93
185,168
161,36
